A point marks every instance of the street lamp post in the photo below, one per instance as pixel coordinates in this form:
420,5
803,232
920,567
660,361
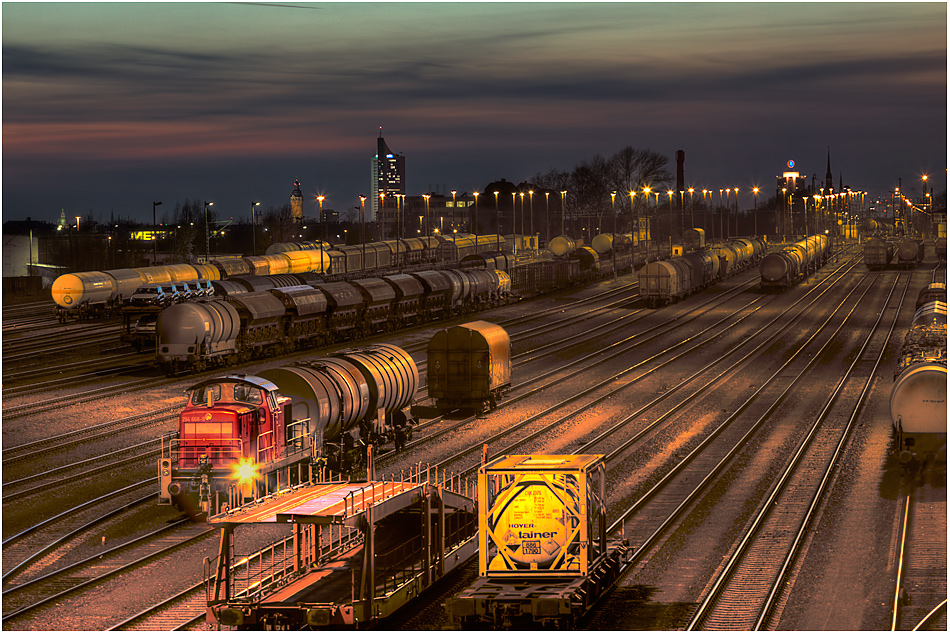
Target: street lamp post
531,221
522,213
362,238
669,194
497,216
720,210
154,234
736,190
207,235
454,211
563,203
428,226
547,218
254,229
706,210
634,229
692,223
613,245
755,210
475,221
514,222
323,229
646,192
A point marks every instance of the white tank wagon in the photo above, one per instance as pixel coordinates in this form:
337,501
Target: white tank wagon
918,402
194,334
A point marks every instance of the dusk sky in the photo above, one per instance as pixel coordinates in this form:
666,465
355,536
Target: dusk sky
110,106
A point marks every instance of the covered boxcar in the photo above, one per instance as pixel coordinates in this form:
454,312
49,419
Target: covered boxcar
878,253
469,366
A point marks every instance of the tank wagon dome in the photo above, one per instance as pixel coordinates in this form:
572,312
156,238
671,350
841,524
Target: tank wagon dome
562,245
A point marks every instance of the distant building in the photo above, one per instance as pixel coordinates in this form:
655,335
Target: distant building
296,202
387,179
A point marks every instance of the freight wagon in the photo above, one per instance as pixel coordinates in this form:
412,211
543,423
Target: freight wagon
918,401
469,366
878,253
544,556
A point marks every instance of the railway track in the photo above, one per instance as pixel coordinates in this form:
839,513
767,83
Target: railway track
749,588
612,439
920,590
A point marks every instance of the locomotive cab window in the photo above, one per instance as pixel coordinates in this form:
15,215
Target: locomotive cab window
247,394
206,395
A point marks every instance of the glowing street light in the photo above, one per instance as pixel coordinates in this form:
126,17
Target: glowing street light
613,244
755,209
362,237
692,224
669,194
254,204
426,197
475,221
563,203
497,215
207,235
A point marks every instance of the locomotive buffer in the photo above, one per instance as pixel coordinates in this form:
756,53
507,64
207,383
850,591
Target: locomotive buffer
358,552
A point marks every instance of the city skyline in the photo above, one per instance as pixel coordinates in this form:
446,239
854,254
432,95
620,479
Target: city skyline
108,107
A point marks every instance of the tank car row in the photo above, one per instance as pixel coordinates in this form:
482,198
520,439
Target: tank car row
665,281
918,401
94,293
785,268
246,324
883,252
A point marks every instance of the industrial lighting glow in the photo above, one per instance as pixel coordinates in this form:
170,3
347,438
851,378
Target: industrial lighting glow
246,471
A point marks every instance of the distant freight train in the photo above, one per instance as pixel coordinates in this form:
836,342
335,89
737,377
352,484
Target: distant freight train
665,281
193,336
94,293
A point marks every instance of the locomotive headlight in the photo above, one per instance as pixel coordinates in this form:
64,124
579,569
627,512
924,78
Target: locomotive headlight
245,471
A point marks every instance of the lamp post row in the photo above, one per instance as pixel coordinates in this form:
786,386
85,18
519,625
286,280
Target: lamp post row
563,194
